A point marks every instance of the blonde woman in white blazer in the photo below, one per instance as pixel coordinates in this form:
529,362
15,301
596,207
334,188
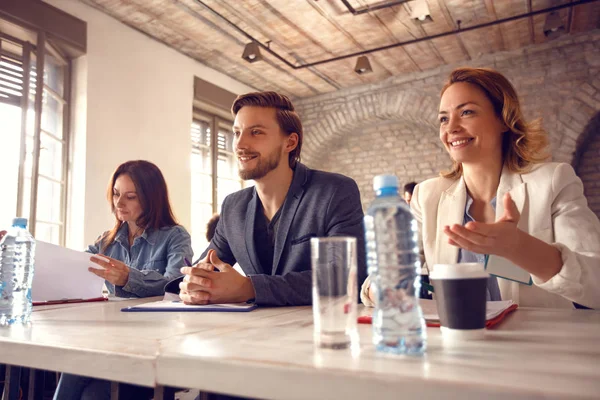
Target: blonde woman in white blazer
541,221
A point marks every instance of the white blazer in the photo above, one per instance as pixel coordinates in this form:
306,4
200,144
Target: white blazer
553,209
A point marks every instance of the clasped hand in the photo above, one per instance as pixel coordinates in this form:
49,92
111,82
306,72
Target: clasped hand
202,284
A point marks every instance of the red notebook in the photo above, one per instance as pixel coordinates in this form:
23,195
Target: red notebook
496,311
67,301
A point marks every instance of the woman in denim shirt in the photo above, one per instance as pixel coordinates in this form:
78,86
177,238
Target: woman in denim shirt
145,249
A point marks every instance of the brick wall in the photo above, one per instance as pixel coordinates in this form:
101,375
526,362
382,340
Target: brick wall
391,126
587,163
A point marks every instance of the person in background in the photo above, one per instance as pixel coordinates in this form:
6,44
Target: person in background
145,249
501,198
267,228
408,191
211,227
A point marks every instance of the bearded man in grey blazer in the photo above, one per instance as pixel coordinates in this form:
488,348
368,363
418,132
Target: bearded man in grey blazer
267,228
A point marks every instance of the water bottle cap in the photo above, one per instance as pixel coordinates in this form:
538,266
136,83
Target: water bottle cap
385,181
20,222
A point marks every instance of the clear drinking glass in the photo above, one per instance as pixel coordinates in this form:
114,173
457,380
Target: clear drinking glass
334,291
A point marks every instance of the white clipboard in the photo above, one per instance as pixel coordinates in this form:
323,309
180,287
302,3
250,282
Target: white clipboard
502,268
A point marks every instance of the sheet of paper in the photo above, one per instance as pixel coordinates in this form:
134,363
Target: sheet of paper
62,274
493,309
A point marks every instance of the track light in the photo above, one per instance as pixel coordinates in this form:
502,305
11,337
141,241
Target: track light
252,52
554,26
420,12
363,66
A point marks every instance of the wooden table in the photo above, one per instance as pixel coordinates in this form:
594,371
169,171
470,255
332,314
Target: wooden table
268,353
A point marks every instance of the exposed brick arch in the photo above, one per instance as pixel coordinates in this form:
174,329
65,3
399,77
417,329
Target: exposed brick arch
573,117
364,110
587,162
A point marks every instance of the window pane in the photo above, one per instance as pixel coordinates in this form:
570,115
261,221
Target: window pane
201,213
201,188
201,161
226,187
47,232
54,74
227,166
49,197
52,115
225,141
51,157
10,137
200,133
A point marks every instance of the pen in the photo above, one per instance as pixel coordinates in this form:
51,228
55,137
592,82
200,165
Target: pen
187,262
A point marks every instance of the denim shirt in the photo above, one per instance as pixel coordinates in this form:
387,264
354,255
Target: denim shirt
153,260
466,256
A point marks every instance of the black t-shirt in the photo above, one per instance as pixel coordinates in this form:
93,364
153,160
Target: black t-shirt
265,232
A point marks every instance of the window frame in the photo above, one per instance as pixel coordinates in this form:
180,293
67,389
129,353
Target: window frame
41,49
215,121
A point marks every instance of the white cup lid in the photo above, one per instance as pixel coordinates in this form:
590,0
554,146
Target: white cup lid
453,336
458,271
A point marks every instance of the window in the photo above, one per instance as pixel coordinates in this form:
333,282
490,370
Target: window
33,133
214,171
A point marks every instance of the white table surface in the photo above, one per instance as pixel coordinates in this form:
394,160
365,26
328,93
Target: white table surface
98,340
535,353
268,353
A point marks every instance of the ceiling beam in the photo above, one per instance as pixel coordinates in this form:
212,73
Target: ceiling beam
250,20
454,26
570,19
341,29
489,5
531,25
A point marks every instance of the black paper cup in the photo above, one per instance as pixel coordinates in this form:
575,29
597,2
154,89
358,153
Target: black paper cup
460,294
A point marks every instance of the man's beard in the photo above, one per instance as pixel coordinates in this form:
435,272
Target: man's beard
263,167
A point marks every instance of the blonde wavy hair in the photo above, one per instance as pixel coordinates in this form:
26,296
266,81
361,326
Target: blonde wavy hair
525,143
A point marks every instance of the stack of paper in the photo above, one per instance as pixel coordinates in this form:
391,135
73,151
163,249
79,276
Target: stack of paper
495,312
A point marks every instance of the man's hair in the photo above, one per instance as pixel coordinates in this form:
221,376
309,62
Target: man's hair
211,226
410,187
287,118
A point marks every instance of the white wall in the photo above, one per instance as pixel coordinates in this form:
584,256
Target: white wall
139,106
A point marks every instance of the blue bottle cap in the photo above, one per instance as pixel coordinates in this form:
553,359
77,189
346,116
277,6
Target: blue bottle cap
385,181
20,222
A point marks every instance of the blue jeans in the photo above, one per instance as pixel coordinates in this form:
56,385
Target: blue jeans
75,387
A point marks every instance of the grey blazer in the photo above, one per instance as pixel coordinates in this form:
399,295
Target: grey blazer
318,204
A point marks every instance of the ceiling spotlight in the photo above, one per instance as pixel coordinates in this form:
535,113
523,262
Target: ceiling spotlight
420,12
252,52
554,26
363,66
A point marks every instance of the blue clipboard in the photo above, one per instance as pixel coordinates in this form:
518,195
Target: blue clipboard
177,306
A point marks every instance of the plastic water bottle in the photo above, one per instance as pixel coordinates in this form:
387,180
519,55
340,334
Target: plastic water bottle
17,250
393,260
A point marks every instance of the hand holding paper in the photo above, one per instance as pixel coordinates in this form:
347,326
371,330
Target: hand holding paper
115,271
